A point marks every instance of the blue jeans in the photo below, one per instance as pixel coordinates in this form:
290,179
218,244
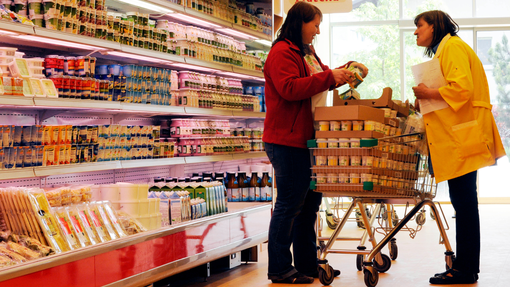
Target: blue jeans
294,214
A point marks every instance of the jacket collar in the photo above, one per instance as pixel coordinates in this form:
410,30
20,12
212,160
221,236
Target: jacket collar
292,45
442,44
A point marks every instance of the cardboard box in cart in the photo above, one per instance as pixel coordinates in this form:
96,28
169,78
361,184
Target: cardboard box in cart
348,113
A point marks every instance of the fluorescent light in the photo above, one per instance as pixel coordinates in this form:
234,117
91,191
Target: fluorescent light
264,42
193,20
147,5
242,76
8,33
237,34
59,42
193,67
138,57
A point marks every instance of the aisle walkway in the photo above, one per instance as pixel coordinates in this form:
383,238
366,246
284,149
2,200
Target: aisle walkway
418,258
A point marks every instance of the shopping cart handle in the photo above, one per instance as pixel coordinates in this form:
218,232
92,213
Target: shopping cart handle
313,185
368,185
311,143
368,142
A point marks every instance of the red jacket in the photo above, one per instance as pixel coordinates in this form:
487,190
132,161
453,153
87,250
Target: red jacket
288,92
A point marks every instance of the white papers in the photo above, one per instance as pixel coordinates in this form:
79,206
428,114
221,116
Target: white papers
429,73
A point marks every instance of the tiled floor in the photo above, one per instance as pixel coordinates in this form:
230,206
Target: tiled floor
418,258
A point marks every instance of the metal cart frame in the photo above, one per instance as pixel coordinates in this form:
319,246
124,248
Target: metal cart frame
400,176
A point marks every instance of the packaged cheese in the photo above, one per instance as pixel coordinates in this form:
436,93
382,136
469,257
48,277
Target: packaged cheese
85,222
46,220
66,227
98,209
97,225
112,216
78,230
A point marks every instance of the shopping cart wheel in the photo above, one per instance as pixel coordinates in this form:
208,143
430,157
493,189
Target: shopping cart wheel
384,265
393,249
421,218
371,276
326,276
359,262
332,221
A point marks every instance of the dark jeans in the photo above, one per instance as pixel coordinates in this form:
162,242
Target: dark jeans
294,214
464,199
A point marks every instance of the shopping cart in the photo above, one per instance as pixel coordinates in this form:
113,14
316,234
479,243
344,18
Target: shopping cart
380,172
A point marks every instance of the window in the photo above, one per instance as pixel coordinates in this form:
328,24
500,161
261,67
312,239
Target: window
379,35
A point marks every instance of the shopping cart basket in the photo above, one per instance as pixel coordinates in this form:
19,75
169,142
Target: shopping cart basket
388,170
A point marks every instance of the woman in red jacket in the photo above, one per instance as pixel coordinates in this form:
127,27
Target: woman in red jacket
296,82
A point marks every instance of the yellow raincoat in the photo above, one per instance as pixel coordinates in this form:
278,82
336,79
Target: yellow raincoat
463,137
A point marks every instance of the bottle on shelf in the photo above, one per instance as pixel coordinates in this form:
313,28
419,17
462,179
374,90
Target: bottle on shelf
254,189
266,191
233,187
242,179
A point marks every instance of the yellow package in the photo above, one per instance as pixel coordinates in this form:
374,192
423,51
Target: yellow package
29,211
54,133
112,216
47,221
78,229
46,135
98,209
98,226
62,135
69,134
78,211
61,154
66,227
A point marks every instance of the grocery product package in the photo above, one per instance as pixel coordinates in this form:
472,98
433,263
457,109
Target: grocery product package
66,227
129,223
49,225
100,231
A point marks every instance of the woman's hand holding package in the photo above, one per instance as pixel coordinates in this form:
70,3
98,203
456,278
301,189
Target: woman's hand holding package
361,67
342,76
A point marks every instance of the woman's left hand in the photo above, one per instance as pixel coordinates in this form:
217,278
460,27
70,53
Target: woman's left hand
362,68
421,91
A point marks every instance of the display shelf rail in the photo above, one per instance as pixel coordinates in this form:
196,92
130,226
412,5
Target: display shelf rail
64,105
144,258
38,37
42,171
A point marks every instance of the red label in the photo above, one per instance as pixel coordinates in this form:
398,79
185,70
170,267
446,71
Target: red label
76,224
65,226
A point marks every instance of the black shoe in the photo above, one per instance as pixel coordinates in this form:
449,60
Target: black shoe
336,273
453,276
296,278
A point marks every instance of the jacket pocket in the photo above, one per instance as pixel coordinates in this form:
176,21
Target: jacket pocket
469,138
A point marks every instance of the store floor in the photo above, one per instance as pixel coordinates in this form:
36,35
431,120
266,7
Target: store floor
418,258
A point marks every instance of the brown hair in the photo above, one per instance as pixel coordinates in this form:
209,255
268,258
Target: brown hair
442,23
300,13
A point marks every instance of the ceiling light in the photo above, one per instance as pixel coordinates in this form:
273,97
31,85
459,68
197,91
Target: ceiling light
8,33
138,57
237,34
148,6
59,42
242,76
193,20
193,67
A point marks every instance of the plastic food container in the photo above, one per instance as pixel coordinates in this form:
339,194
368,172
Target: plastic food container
10,52
5,60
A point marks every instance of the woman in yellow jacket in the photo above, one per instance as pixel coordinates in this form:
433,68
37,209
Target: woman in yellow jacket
462,137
